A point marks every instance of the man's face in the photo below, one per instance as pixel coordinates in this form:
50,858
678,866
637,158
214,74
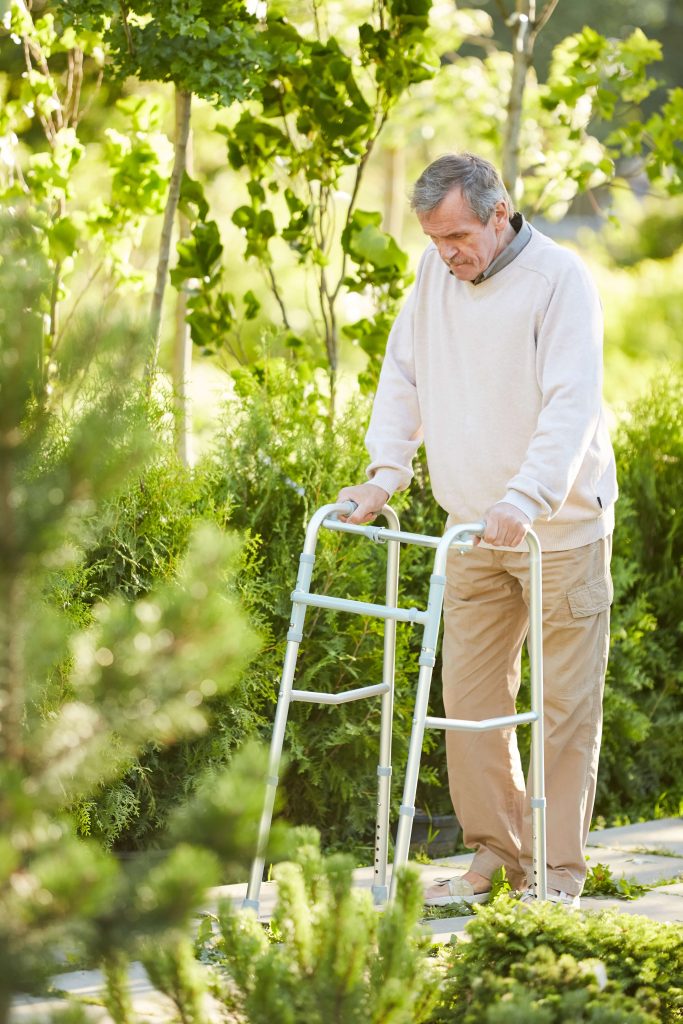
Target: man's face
466,246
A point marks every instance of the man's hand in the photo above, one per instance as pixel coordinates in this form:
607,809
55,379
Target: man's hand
506,525
369,498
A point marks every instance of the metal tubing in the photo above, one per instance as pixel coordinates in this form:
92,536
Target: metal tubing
483,725
380,891
537,772
342,604
254,887
407,809
381,534
313,697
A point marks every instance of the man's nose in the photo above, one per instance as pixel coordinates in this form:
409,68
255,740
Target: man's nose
448,251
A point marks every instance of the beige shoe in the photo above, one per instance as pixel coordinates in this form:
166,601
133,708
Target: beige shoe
552,896
453,890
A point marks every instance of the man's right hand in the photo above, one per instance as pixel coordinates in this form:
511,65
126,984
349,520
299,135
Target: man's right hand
369,498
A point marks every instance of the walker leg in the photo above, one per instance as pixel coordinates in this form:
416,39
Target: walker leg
537,772
294,636
284,701
380,891
407,810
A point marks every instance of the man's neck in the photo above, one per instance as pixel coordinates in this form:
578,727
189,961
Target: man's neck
505,239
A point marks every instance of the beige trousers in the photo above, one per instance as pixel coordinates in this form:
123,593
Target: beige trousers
485,623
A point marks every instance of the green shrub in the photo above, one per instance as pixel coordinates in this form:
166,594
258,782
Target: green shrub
641,769
333,958
274,462
543,964
136,540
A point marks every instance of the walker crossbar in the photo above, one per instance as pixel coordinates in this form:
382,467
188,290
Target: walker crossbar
311,697
483,725
460,538
341,604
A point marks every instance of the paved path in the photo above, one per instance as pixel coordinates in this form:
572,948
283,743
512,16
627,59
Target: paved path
649,853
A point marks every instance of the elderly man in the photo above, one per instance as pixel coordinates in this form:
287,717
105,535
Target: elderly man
495,360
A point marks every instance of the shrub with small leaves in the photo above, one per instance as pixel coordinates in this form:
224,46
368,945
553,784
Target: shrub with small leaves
335,957
549,966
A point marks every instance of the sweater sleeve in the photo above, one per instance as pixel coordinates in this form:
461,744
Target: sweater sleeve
569,371
395,430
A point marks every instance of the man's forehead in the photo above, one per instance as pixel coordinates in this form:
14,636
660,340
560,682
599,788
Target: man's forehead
452,214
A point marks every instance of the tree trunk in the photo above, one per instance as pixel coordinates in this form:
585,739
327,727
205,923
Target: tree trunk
525,26
522,47
183,107
182,350
394,191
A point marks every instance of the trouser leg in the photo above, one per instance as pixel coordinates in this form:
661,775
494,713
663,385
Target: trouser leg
485,619
577,594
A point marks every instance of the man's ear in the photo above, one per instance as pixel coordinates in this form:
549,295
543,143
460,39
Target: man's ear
501,215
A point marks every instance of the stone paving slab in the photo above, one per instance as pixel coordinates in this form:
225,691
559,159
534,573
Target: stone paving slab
664,835
646,868
676,889
149,1005
657,905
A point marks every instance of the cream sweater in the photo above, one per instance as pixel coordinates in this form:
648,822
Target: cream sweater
502,380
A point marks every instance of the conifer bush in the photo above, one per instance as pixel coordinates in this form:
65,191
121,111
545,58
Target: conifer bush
542,964
331,956
641,768
275,460
79,702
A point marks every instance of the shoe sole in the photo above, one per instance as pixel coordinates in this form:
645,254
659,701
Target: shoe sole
443,901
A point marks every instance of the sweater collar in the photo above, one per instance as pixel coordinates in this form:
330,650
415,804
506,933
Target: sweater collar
511,251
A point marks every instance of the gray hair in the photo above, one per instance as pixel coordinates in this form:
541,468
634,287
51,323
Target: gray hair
481,185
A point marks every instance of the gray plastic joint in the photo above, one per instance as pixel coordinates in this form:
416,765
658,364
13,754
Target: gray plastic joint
409,812
250,905
436,577
427,659
380,894
307,559
538,801
272,780
383,772
295,634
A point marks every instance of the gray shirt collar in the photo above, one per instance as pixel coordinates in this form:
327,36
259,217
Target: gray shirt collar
511,251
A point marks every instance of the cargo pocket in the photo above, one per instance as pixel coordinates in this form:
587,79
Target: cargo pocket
591,598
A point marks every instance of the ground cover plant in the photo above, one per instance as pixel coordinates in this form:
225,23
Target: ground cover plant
542,964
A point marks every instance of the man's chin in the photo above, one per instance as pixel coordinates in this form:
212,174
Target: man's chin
465,272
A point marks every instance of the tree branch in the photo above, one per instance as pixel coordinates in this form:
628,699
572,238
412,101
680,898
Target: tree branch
126,27
278,297
543,18
182,131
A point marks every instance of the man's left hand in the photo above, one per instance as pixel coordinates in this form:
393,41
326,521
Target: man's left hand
506,525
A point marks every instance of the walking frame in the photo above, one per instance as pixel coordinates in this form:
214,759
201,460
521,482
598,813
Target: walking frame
461,538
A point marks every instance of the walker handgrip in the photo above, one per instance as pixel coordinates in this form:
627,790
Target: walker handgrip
348,510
